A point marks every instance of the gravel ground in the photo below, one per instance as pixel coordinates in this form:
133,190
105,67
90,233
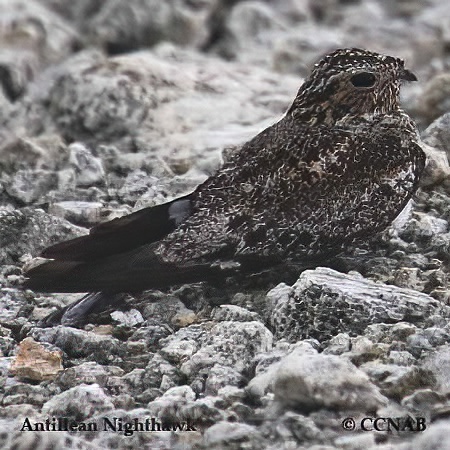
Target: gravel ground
109,106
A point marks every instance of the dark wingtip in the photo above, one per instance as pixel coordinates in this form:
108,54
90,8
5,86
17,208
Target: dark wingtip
50,276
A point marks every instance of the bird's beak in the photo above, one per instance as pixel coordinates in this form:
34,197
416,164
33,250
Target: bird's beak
407,75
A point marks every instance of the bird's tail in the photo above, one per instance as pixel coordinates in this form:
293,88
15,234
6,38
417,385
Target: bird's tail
135,271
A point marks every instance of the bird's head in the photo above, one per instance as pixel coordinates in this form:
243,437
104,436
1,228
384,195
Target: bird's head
348,83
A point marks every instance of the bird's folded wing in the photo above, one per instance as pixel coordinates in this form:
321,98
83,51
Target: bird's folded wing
125,233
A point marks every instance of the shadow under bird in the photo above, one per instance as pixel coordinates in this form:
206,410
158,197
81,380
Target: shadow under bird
336,169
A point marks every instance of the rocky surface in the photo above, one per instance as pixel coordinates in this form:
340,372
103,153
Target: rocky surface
110,106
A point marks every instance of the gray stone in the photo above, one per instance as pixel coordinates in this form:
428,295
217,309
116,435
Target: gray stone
27,186
264,360
12,305
408,277
401,358
179,403
184,317
138,184
338,344
183,393
22,410
87,373
437,169
440,244
151,335
390,333
418,343
144,385
82,344
436,436
292,10
404,9
7,343
32,36
78,11
5,364
29,230
137,352
268,364
435,98
104,101
295,53
159,371
310,382
357,441
327,11
423,400
88,169
234,313
232,435
425,340
79,403
251,27
135,24
437,138
362,349
25,393
201,350
232,394
162,308
438,363
324,303
66,183
220,376
128,318
294,427
152,439
229,343
164,103
18,68
397,381
181,345
437,134
45,152
83,213
438,336
13,438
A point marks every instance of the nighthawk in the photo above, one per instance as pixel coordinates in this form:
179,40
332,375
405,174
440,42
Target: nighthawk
336,169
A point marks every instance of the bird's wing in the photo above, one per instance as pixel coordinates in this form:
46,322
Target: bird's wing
111,257
125,233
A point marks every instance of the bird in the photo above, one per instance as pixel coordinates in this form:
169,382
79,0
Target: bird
335,170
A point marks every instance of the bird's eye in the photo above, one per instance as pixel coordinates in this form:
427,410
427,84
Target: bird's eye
363,80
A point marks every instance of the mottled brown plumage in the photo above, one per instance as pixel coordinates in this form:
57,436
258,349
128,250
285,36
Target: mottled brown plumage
336,169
